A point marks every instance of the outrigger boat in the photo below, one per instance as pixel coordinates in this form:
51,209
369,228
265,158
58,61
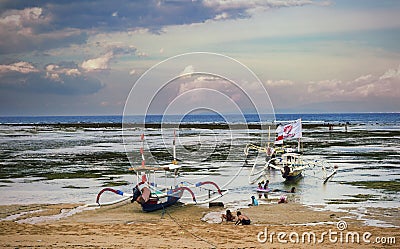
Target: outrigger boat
152,196
290,164
269,151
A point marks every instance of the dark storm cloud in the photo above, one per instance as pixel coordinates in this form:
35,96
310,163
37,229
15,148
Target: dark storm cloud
108,15
41,25
153,14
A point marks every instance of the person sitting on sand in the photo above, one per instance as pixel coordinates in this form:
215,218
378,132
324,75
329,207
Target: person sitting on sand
254,201
283,199
293,190
228,216
141,192
242,219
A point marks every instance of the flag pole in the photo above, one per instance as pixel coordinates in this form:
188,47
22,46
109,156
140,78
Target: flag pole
298,145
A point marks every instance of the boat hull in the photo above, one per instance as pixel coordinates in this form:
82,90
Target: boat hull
151,207
293,177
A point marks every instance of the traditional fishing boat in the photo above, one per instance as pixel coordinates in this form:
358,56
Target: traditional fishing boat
153,196
271,149
290,163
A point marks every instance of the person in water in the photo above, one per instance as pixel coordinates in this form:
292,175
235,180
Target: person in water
266,185
242,219
228,216
292,190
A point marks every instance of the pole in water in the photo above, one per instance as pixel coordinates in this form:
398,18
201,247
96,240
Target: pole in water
174,150
142,150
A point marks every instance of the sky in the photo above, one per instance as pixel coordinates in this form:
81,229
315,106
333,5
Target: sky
101,57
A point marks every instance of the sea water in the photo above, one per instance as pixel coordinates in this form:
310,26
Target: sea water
60,160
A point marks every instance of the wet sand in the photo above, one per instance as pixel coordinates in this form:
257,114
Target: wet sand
126,226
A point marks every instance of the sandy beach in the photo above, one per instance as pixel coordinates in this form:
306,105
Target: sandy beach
126,226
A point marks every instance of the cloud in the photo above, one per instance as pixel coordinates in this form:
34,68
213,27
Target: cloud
61,79
280,83
366,92
103,62
201,86
386,85
132,72
245,8
31,29
55,72
221,16
188,70
25,20
203,81
100,63
42,25
21,67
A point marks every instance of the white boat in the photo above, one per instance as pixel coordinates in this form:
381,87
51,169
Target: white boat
290,163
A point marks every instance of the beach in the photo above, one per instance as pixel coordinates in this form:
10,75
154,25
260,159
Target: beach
51,171
126,226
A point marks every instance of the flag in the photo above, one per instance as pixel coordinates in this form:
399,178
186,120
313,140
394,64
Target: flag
292,130
279,137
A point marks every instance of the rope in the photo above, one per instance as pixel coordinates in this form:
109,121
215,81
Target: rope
165,211
184,229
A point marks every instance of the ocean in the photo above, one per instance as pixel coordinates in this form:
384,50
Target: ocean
69,159
334,118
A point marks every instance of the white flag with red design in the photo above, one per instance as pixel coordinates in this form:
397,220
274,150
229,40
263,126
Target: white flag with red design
292,130
279,137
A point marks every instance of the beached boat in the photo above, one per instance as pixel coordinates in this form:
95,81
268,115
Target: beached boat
153,196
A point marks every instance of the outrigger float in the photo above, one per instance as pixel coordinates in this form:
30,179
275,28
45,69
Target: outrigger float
288,161
152,196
